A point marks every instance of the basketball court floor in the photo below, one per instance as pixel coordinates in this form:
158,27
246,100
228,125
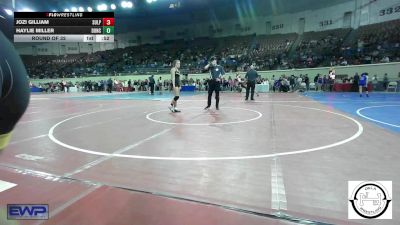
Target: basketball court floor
285,158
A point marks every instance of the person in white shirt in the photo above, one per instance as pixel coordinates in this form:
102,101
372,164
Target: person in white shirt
160,85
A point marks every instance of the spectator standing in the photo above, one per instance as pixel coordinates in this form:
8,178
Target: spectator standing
385,81
307,81
129,85
109,85
356,78
292,82
320,82
316,81
160,85
152,83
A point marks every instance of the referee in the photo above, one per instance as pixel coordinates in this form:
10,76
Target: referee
14,89
214,84
251,77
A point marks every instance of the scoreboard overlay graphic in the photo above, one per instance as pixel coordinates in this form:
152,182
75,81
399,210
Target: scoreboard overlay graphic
64,27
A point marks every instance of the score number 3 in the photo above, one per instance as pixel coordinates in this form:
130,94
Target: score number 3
108,21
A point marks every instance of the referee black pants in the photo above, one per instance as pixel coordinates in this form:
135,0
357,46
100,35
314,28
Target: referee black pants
250,85
213,85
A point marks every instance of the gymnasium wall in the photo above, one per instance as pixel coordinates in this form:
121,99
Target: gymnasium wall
378,11
392,69
363,12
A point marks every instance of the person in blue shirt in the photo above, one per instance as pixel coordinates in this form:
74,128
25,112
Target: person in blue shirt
214,84
277,85
363,83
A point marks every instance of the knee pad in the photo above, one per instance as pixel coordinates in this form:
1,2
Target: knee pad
176,98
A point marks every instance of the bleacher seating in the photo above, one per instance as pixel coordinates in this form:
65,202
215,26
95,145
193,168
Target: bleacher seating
372,44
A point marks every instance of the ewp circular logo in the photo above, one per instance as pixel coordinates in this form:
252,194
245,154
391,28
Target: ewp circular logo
370,200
